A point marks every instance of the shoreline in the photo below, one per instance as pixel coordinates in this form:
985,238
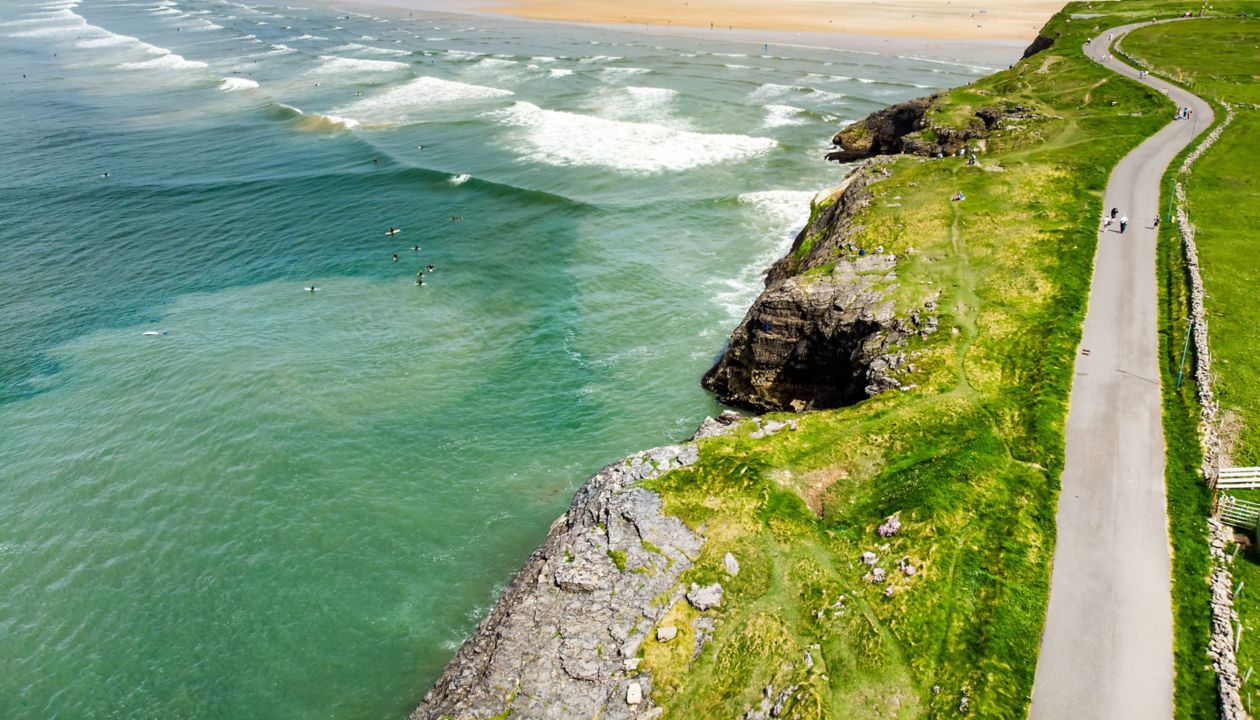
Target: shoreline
921,20
984,50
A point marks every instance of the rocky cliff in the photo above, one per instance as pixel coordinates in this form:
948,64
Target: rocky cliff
822,334
909,128
562,641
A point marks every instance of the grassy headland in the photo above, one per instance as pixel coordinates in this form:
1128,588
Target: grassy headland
967,455
1219,58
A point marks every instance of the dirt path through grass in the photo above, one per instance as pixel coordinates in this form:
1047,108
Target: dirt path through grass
1107,645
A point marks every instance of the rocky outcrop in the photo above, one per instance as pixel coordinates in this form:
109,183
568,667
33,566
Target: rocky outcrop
906,128
881,132
1039,44
815,340
562,641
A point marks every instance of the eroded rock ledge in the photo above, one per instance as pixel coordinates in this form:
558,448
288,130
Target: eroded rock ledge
822,334
562,640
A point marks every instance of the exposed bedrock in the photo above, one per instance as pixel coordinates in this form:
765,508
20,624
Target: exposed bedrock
907,128
881,132
562,640
805,346
1039,43
822,334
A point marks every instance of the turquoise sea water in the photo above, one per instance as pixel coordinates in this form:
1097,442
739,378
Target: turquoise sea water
295,505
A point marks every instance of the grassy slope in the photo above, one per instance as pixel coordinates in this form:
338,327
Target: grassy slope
1220,59
970,458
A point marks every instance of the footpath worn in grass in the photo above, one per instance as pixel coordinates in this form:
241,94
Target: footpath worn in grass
948,615
1220,59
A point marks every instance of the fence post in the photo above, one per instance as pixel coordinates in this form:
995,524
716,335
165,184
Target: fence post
1182,367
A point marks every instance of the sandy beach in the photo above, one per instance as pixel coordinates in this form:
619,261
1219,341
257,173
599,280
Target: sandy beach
939,19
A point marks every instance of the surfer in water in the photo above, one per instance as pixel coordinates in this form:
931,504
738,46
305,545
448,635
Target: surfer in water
395,257
431,268
415,248
311,289
457,218
420,277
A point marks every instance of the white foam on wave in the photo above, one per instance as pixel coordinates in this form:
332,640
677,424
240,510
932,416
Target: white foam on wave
951,63
333,65
368,49
464,54
305,36
559,72
76,28
598,58
459,179
320,122
401,104
784,115
167,61
494,64
43,18
620,73
569,139
774,91
233,84
777,216
89,36
641,104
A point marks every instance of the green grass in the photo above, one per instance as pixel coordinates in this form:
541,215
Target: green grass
969,459
1189,499
1220,59
1217,58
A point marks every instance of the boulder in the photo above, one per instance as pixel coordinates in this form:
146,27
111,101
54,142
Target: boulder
704,598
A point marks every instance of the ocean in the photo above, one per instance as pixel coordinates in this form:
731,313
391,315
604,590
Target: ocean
225,496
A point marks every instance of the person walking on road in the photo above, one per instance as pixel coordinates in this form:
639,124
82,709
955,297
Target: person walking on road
1124,223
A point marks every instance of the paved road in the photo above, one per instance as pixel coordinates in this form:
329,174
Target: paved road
1106,651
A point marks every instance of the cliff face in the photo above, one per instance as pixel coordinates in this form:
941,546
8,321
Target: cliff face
822,334
561,642
907,128
882,132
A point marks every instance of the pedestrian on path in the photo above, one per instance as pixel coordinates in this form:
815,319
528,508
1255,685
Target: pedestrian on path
1156,225
1124,223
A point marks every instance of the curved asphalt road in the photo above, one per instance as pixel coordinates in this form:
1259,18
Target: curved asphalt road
1106,651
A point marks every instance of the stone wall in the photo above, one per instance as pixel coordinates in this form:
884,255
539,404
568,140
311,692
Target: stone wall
1224,617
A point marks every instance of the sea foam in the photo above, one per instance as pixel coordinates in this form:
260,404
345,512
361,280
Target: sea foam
342,65
568,139
784,115
233,84
168,61
401,104
776,215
